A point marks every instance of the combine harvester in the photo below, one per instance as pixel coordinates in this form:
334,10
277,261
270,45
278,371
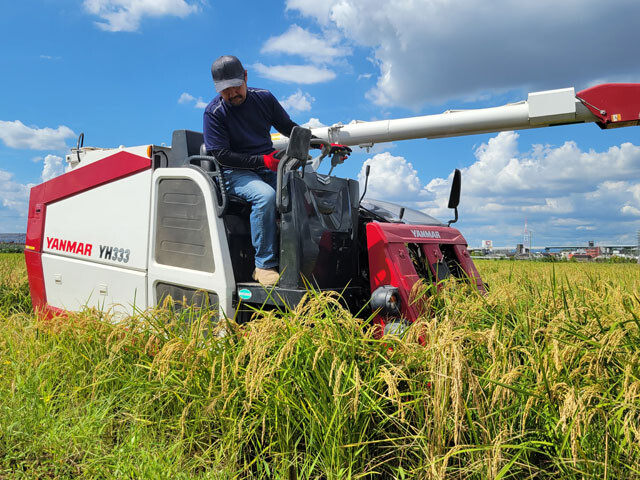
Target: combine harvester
126,227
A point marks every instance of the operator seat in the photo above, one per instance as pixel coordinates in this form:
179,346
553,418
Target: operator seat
236,205
188,149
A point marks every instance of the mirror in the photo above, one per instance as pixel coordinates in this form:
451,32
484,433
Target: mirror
454,196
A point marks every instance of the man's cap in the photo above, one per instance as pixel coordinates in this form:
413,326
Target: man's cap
227,71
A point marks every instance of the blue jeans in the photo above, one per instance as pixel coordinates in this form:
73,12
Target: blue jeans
258,187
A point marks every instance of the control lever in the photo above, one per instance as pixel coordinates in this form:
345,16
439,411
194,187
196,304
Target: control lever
325,148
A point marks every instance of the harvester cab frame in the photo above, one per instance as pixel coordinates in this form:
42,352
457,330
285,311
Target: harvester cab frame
322,233
318,225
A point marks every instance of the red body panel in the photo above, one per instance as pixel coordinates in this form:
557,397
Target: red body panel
390,262
616,104
109,169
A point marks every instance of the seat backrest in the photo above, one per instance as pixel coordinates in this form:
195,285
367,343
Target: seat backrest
184,143
319,231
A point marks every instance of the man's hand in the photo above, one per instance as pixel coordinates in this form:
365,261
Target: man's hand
341,150
272,159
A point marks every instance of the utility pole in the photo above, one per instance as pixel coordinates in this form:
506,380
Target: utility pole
526,241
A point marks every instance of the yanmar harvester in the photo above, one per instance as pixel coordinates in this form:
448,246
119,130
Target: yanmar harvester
126,227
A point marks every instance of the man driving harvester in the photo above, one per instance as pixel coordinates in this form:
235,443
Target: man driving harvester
237,125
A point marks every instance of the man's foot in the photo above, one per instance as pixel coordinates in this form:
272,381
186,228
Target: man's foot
266,276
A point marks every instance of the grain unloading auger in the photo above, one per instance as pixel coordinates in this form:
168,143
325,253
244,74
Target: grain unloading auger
608,105
126,227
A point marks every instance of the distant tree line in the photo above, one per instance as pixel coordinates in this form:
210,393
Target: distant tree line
11,247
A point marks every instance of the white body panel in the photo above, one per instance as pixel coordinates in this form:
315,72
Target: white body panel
99,247
112,215
221,280
73,284
97,241
88,155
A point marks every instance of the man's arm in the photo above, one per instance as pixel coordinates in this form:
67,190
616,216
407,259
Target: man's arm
286,127
231,159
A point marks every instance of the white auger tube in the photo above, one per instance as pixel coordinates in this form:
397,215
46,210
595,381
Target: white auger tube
541,109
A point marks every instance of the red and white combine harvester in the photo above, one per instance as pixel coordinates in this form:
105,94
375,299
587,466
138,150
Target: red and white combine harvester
126,227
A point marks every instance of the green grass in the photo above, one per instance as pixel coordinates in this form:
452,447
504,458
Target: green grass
539,379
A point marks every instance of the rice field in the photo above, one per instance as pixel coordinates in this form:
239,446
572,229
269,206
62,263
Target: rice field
538,379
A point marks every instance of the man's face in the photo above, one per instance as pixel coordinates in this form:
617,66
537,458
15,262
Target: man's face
235,95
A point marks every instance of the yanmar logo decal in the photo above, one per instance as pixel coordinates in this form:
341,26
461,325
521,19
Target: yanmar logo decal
425,233
68,246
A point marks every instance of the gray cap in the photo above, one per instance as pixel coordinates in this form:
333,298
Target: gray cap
227,71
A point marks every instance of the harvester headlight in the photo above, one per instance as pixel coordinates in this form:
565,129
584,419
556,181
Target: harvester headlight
386,299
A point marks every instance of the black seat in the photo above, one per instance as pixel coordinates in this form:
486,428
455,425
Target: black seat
184,144
187,148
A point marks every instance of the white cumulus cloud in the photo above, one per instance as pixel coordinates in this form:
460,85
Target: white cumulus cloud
320,10
187,98
303,74
313,123
298,101
559,190
502,169
53,167
301,42
126,15
14,195
17,135
391,177
630,210
429,51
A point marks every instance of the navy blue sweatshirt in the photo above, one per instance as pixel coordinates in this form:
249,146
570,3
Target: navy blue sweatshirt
238,135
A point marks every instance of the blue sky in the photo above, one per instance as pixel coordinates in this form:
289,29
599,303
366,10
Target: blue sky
129,72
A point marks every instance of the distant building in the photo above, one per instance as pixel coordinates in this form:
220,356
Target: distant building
592,251
580,257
